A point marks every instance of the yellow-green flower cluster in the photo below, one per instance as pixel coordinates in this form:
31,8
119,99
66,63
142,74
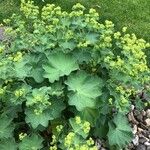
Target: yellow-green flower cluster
120,89
22,135
110,100
86,127
93,13
83,44
69,139
53,143
19,93
54,147
6,21
133,60
39,99
50,28
124,29
38,111
76,13
78,6
54,140
59,128
17,57
8,81
93,23
2,48
2,91
51,13
46,11
109,24
29,9
125,91
90,141
106,39
123,100
9,31
117,35
78,120
84,147
114,64
69,34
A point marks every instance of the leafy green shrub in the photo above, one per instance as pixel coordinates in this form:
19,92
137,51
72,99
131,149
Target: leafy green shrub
66,79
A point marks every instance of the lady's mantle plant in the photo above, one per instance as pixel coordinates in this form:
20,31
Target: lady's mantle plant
66,79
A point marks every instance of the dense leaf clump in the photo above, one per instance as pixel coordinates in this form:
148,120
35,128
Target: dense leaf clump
67,79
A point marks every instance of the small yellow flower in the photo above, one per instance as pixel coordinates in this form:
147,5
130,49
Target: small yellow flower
59,128
78,119
90,142
19,93
17,57
22,135
2,91
78,6
53,147
69,138
2,48
124,29
108,39
117,35
86,127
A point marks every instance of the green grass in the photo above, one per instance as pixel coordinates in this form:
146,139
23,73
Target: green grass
135,14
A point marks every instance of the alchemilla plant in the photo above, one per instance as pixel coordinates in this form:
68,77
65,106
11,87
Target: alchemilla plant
66,79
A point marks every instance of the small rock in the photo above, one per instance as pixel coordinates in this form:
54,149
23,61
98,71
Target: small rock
135,129
136,112
132,119
142,140
147,143
140,130
140,117
148,113
144,113
148,147
98,143
141,147
146,133
103,149
141,135
132,107
130,146
147,121
136,140
129,117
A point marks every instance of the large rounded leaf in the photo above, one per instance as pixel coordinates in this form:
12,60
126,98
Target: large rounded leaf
59,64
84,90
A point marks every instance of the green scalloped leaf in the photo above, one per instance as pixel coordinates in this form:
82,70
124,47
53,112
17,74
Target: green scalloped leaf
120,133
33,142
43,119
21,68
6,127
8,144
84,90
58,65
36,67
